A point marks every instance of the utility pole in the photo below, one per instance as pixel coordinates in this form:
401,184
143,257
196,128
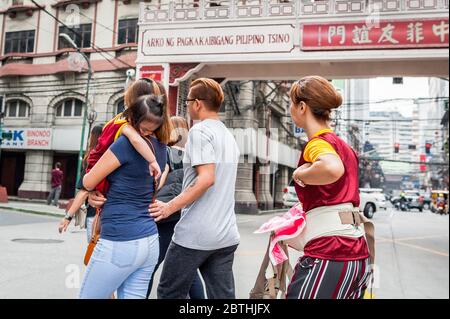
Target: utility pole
85,113
2,99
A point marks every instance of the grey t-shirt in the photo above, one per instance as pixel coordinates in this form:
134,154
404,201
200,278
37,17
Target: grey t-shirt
210,222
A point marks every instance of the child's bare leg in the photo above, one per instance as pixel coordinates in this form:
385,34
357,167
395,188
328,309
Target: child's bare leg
79,200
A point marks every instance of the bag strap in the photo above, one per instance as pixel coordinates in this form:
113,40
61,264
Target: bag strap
155,182
260,284
277,282
286,272
95,232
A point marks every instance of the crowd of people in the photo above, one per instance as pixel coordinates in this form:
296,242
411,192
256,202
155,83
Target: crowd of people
160,191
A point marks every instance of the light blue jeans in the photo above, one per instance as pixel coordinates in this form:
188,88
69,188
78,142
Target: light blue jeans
89,222
122,266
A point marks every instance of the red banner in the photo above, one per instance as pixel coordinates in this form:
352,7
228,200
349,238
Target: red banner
154,72
423,159
403,34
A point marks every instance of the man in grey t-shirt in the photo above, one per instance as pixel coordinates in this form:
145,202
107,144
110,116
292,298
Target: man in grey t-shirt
206,237
210,222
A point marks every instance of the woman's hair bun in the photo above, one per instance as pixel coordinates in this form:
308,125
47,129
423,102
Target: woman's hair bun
318,93
337,100
156,100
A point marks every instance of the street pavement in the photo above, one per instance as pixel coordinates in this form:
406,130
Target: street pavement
412,256
33,207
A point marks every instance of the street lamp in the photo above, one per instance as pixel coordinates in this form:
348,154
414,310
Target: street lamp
92,116
2,115
69,41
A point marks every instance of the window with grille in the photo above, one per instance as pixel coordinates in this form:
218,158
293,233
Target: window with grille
70,108
128,31
19,42
80,35
17,108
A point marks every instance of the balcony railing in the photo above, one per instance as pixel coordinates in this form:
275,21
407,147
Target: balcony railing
206,10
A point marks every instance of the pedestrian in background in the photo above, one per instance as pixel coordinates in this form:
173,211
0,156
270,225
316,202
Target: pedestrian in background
56,181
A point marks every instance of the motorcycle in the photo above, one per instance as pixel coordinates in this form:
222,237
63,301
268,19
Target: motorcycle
441,209
402,205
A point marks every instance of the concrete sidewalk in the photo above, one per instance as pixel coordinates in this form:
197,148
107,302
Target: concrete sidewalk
33,208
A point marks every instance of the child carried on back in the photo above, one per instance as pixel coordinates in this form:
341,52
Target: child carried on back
119,125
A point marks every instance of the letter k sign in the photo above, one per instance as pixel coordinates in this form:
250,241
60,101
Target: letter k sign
18,135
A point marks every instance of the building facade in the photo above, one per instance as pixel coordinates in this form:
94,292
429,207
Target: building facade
44,94
44,90
255,49
354,110
435,133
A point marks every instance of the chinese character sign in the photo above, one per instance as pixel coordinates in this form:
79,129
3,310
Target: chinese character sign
388,34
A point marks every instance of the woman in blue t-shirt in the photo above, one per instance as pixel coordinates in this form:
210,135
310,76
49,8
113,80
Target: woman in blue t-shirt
127,252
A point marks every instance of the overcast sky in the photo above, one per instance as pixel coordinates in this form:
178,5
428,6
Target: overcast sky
383,88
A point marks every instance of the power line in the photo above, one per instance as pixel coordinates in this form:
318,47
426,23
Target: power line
52,33
78,34
392,120
420,99
96,22
80,82
57,82
407,162
74,87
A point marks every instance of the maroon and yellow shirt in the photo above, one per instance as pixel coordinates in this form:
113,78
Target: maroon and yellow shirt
344,190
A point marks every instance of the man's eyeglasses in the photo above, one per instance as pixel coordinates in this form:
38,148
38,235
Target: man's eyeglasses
192,100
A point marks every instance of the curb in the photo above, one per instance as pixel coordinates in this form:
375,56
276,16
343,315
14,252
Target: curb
30,211
15,199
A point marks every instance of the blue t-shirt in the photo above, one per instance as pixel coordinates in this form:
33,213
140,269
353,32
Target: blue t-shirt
125,214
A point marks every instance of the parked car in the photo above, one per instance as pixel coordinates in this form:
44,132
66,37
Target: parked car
371,201
290,196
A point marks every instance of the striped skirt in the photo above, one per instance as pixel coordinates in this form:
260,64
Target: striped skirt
315,278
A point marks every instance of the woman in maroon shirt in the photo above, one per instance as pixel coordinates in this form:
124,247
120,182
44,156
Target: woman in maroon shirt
336,255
